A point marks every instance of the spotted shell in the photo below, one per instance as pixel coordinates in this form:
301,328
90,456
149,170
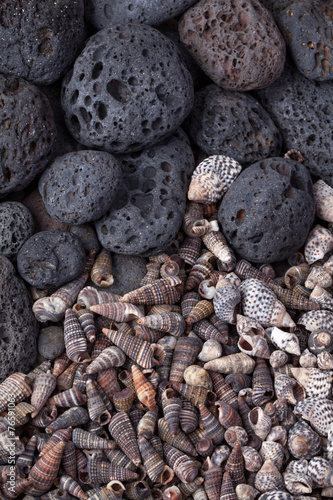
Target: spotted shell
248,326
319,412
226,299
316,320
285,341
307,359
317,383
323,198
252,459
318,276
268,477
212,178
318,243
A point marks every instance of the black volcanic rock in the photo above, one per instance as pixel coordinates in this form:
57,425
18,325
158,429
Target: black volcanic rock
16,226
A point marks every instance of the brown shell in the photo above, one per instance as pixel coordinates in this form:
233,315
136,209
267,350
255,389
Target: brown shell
72,417
107,379
234,434
245,270
75,339
183,466
188,416
156,469
223,390
170,322
67,483
110,357
200,311
179,441
213,479
89,296
227,488
68,460
210,425
252,459
17,386
86,320
43,386
45,470
184,355
262,383
205,330
101,472
101,272
95,404
268,478
235,465
228,416
143,388
122,431
194,394
162,291
171,405
190,250
215,241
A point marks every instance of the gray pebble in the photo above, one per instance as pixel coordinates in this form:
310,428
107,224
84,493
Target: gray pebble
51,342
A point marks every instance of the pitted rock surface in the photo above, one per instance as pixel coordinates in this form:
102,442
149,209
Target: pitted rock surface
40,40
43,221
268,210
101,13
233,124
307,27
302,110
16,226
128,89
18,326
235,42
51,258
149,210
81,186
27,132
88,236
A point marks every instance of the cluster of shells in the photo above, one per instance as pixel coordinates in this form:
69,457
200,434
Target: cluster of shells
212,381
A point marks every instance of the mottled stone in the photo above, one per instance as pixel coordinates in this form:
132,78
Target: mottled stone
18,326
51,258
150,208
303,111
268,210
51,342
236,43
233,124
101,13
128,271
16,226
40,40
43,221
27,133
81,186
308,30
128,89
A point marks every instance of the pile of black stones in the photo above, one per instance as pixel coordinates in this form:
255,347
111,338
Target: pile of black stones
105,113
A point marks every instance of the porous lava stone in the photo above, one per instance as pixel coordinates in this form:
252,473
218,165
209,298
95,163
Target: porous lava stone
27,132
43,221
128,89
40,40
235,42
149,211
302,110
51,258
308,30
16,226
101,13
18,326
81,186
233,124
268,210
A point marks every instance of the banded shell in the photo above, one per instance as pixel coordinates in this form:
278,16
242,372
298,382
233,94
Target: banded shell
143,388
215,241
234,434
268,477
185,354
45,470
90,296
171,404
180,440
255,346
223,390
162,291
235,465
262,385
193,222
74,338
318,243
303,441
201,310
190,250
67,483
228,416
72,417
318,276
188,417
87,440
17,386
259,302
296,275
234,363
252,459
101,472
123,400
287,342
213,429
95,404
323,198
260,422
227,488
206,330
194,394
204,447
86,320
120,312
43,386
157,470
101,272
68,460
110,357
213,479
170,322
122,431
226,300
212,178
107,379
183,466
317,383
172,493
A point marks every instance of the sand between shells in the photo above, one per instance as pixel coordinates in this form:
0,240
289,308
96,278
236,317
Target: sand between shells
212,381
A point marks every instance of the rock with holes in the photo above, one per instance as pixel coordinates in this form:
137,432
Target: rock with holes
236,43
16,226
303,110
27,132
81,186
268,210
18,326
128,89
51,258
101,13
308,29
149,209
40,40
233,124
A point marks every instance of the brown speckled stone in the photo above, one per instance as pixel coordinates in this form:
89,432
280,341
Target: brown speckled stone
235,42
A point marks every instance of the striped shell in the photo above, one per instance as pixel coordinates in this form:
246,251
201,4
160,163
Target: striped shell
296,275
162,291
260,422
183,466
215,241
87,440
323,198
101,272
95,404
317,383
233,363
121,429
318,276
213,479
120,312
212,178
235,465
318,243
170,322
227,488
110,357
157,470
74,338
45,470
319,412
43,386
252,459
15,387
180,440
143,388
262,385
72,417
184,355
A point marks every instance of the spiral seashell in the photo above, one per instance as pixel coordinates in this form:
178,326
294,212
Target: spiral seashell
260,422
268,477
223,390
190,250
294,300
95,405
101,472
67,483
179,440
123,400
200,271
26,459
320,471
194,394
188,489
236,434
287,342
284,388
207,289
211,349
146,425
252,459
162,291
197,376
101,272
212,178
317,383
228,416
182,465
296,275
226,300
60,364
325,360
193,222
171,267
156,469
213,479
277,495
322,297
45,470
107,379
261,383
204,447
320,341
17,387
254,346
188,416
200,311
317,320
170,322
234,363
86,320
140,351
66,378
245,271
246,492
68,460
13,491
188,301
210,425
215,241
318,276
185,353
297,483
303,442
307,359
72,417
259,302
148,334
19,415
45,416
122,431
271,450
87,440
171,404
237,382
90,296
110,357
227,488
119,312
205,330
323,198
278,358
43,386
318,243
117,457
74,338
143,388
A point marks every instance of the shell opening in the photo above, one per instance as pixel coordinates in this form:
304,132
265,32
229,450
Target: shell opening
158,354
167,475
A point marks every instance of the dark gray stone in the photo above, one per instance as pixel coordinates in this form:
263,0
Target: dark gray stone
16,226
233,124
18,326
51,342
27,132
51,258
101,13
303,112
268,210
128,271
81,186
128,89
88,236
40,40
149,210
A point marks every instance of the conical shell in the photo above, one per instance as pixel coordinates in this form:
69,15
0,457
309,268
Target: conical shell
298,484
278,358
170,322
59,436
228,416
268,477
140,351
213,479
259,302
271,450
227,488
86,320
318,243
211,349
317,383
101,273
110,357
146,426
107,379
144,390
87,440
317,320
45,470
162,291
95,405
67,483
318,276
212,178
25,460
226,300
71,397
14,388
252,459
65,379
287,342
215,241
292,299
74,338
183,466
200,311
188,417
238,381
122,431
120,312
296,275
60,364
235,466
72,417
205,330
260,422
123,400
246,492
210,425
284,388
234,363
68,460
171,404
262,385
101,472
194,394
223,390
303,442
245,271
157,470
185,354
20,485
190,250
19,415
43,386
